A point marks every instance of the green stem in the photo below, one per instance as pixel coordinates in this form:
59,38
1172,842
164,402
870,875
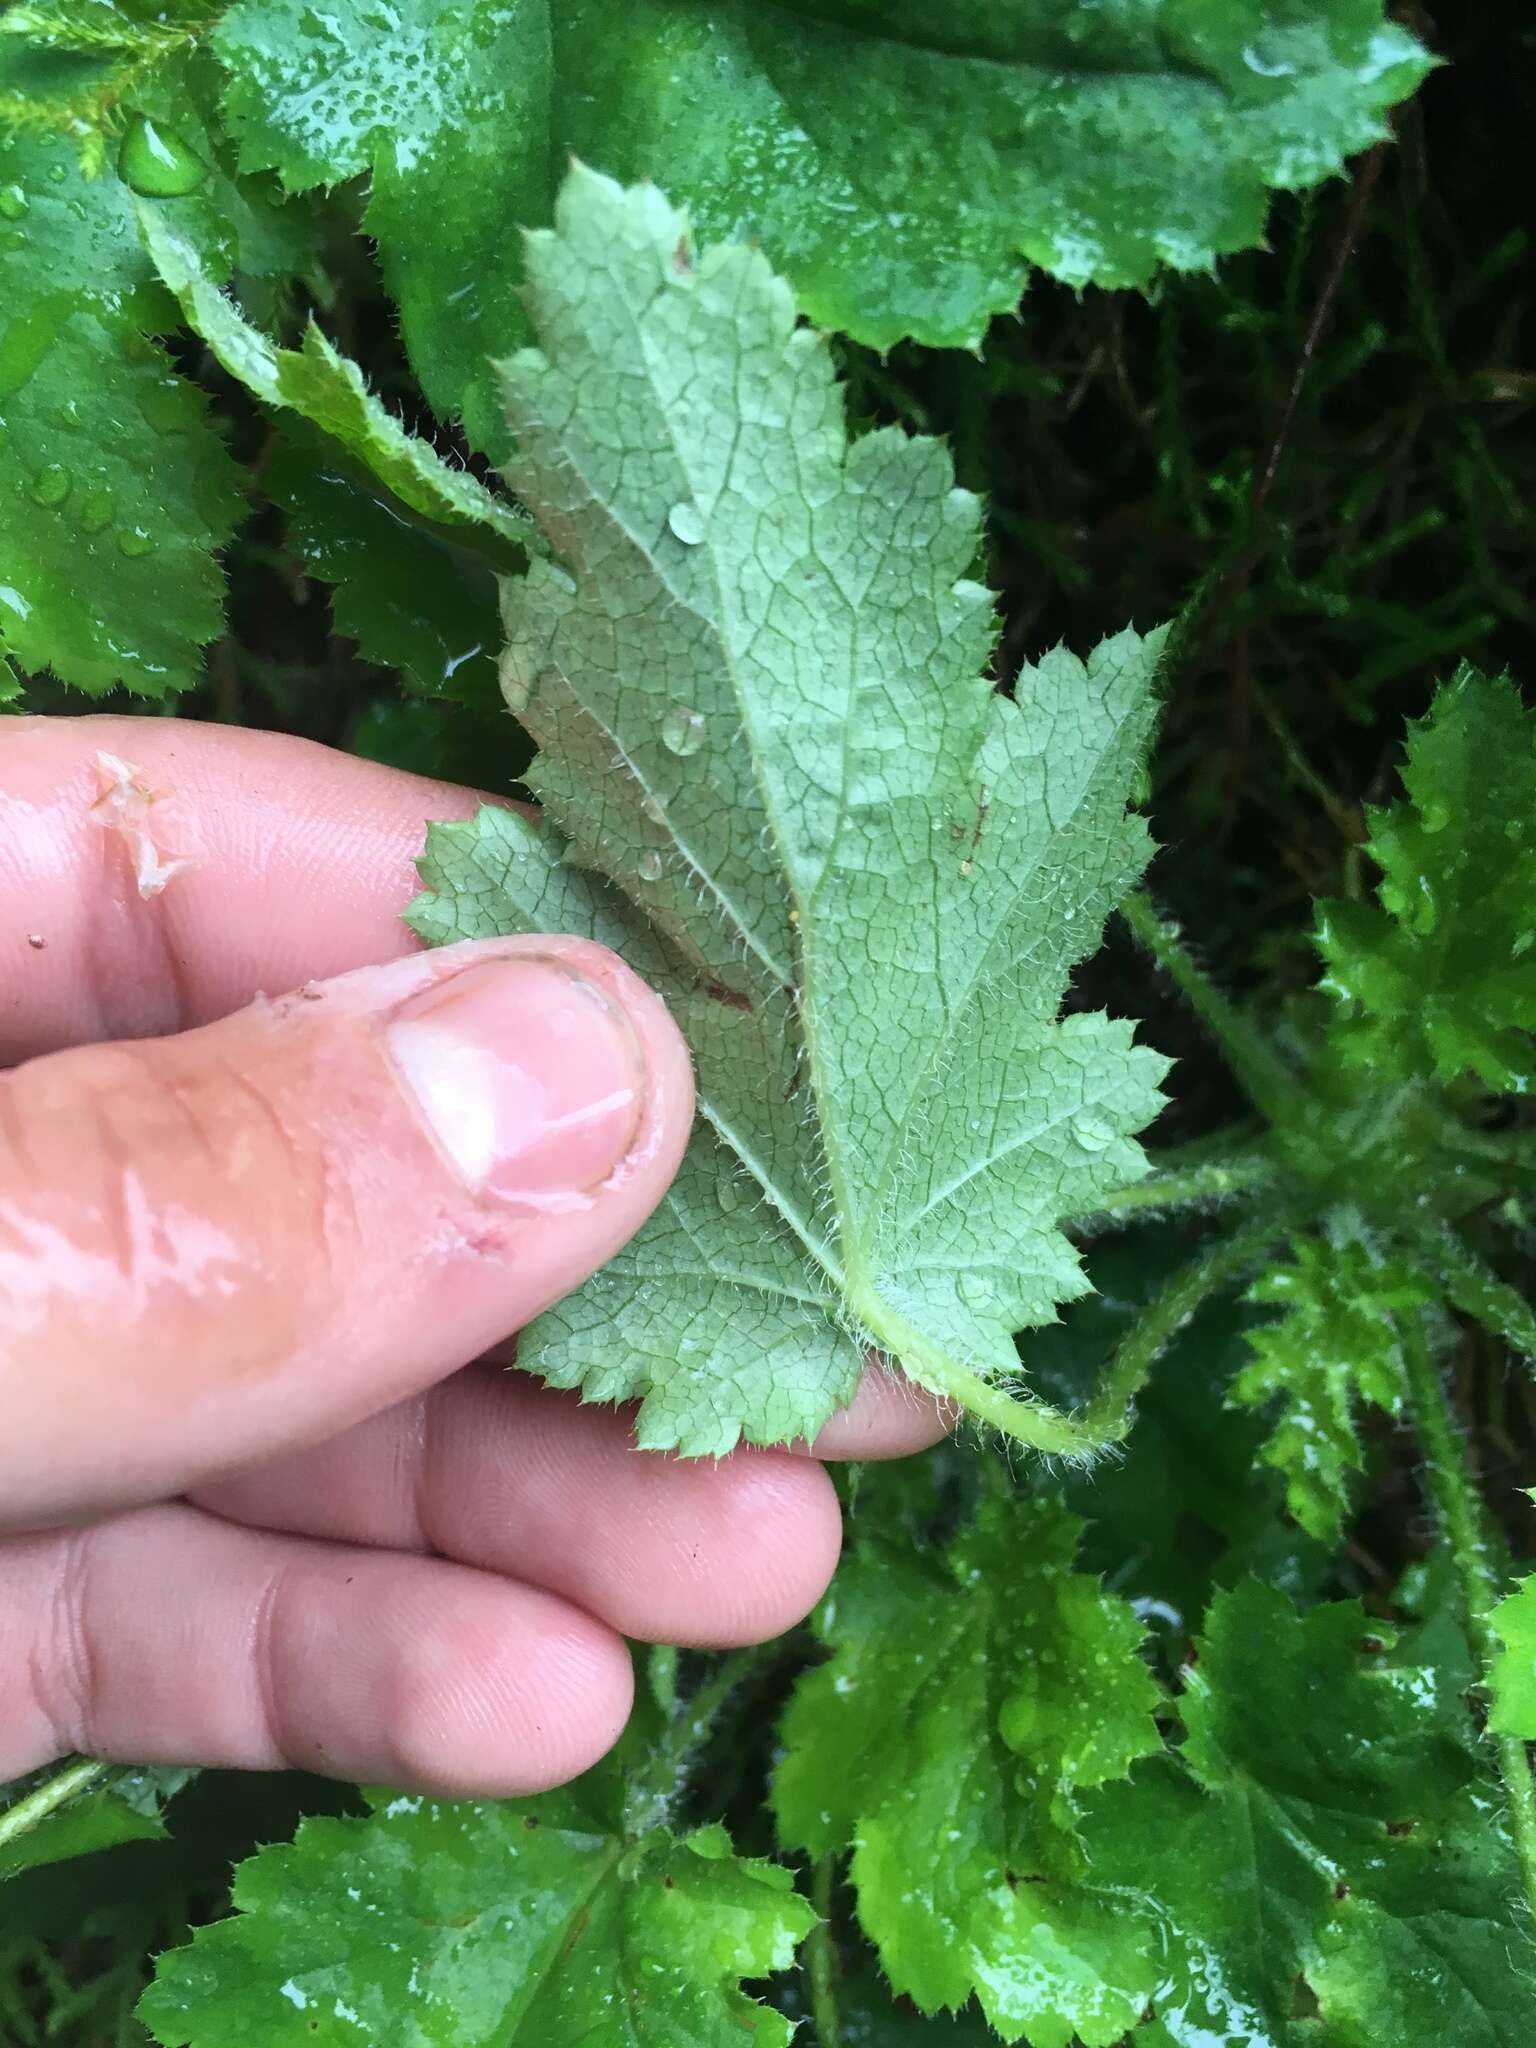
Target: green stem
1262,1074
47,1798
656,1785
1474,1287
1026,1420
1107,1417
821,1957
1460,1513
1217,1180
1108,1414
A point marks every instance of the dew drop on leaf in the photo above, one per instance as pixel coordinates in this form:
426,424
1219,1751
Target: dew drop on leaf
1092,1131
687,523
96,510
1436,817
134,541
156,163
682,730
650,865
52,485
13,202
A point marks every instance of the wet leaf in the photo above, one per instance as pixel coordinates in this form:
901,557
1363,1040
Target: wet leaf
575,1917
1098,145
1438,977
861,876
972,1700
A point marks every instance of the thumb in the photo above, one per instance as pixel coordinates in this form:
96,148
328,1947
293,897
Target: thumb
218,1245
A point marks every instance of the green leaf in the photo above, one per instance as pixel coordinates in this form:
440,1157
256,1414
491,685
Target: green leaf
1097,144
759,689
1439,978
973,1699
415,595
327,390
1512,1674
115,490
1336,1832
575,1917
446,104
1334,1346
1324,1842
127,1806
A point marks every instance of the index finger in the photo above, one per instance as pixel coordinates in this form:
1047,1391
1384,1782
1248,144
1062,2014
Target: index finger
304,861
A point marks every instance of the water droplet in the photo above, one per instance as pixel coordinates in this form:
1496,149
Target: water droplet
155,162
134,541
687,522
96,511
650,865
651,806
729,1195
51,486
1436,817
1514,830
13,202
682,730
57,174
1092,1130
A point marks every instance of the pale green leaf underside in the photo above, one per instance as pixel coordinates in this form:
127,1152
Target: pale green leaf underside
1098,144
757,678
488,1925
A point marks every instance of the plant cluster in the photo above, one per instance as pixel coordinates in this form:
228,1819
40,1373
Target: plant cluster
1185,1695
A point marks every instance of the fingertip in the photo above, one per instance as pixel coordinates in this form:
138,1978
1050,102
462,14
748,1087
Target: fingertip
890,1416
506,1696
774,1536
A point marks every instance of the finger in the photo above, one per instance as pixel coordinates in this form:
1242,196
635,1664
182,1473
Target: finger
221,1244
498,1472
304,863
167,1636
889,1416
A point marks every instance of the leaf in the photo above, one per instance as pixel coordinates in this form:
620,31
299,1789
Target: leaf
1325,1829
327,390
1438,979
1512,1673
1098,145
758,684
571,1917
128,1807
1334,1346
973,1699
115,489
415,595
446,104
1337,1831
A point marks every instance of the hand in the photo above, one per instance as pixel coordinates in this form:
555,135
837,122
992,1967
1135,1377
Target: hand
266,1514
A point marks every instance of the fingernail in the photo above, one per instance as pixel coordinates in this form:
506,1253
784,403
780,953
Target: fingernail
529,1078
